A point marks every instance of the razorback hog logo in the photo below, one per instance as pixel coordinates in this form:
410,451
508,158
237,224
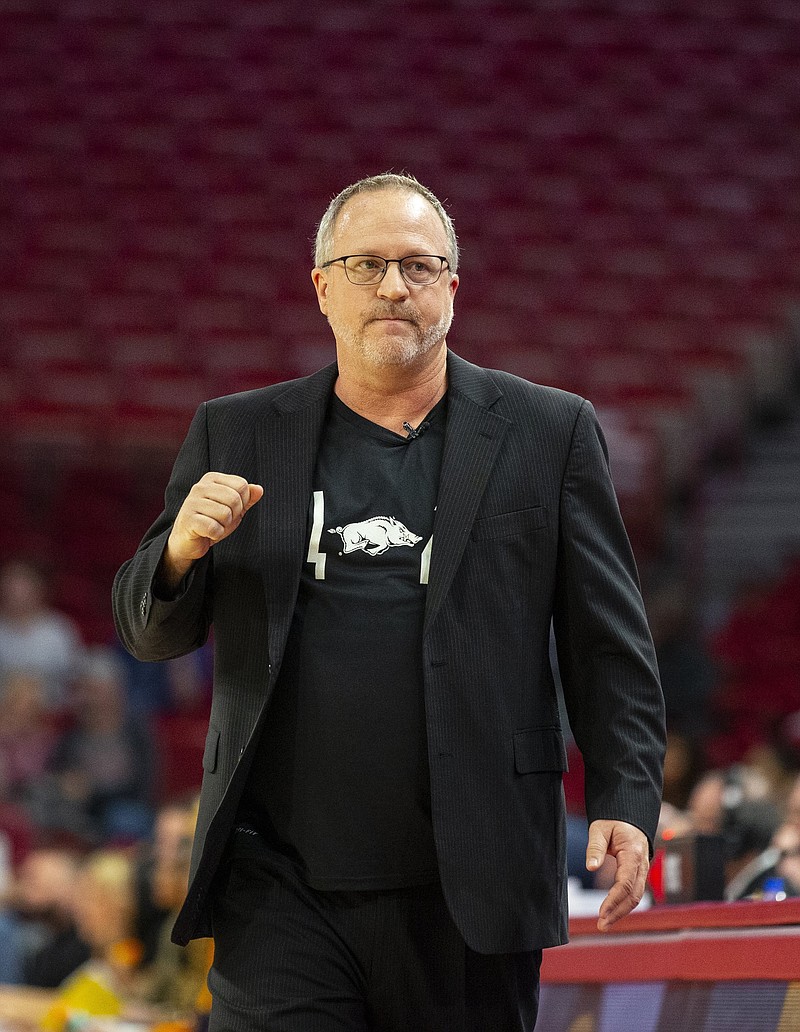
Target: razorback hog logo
375,536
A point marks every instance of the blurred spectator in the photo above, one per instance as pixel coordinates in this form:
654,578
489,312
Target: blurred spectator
175,976
111,981
146,684
749,831
787,841
26,738
681,768
104,907
686,669
10,958
32,636
190,680
777,863
102,772
169,830
772,761
10,952
105,901
39,925
705,808
717,795
18,831
178,685
737,804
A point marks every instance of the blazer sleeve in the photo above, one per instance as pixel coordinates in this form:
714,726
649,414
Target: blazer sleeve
605,651
149,627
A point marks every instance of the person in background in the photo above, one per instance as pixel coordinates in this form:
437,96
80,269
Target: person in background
682,765
104,909
33,636
105,902
27,738
11,951
41,905
787,841
685,665
748,831
10,962
771,865
718,793
151,914
179,685
173,978
102,768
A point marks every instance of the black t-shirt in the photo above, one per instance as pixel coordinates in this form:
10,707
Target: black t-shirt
340,782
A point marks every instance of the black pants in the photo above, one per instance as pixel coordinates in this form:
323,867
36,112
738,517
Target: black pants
291,959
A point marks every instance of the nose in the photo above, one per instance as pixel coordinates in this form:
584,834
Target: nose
393,286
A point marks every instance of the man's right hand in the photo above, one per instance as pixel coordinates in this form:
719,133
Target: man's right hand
212,511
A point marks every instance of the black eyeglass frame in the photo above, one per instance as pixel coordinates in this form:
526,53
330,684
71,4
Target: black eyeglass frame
387,262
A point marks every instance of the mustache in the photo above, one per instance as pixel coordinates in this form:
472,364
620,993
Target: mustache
409,313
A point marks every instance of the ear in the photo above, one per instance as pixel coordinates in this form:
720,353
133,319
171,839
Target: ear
453,286
321,286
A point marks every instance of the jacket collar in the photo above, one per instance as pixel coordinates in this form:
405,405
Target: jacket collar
308,391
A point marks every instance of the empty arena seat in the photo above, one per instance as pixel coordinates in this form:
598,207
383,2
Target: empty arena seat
623,183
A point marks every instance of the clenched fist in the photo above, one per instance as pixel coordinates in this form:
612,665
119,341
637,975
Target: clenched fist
212,511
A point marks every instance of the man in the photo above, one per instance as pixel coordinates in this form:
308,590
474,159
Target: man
381,835
43,909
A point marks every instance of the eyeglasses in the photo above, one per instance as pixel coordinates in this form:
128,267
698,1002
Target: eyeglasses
419,270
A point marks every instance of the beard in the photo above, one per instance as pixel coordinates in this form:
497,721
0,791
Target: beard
390,349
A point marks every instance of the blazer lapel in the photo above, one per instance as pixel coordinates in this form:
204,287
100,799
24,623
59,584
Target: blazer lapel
473,438
287,440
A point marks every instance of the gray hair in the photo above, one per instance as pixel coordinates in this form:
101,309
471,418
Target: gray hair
385,181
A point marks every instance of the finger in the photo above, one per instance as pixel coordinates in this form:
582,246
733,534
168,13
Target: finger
213,481
625,894
597,847
614,907
225,513
229,506
201,525
255,494
225,494
216,485
225,510
231,480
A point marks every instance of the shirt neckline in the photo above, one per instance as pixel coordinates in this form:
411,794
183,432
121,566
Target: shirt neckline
340,409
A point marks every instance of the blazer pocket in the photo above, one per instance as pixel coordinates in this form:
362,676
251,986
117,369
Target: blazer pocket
539,749
510,524
211,750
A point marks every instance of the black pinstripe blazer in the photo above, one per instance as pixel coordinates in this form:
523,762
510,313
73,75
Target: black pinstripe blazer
527,530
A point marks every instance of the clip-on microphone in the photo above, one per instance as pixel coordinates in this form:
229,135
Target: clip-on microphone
413,434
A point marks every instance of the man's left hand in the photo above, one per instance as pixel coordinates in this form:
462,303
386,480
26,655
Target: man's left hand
630,848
